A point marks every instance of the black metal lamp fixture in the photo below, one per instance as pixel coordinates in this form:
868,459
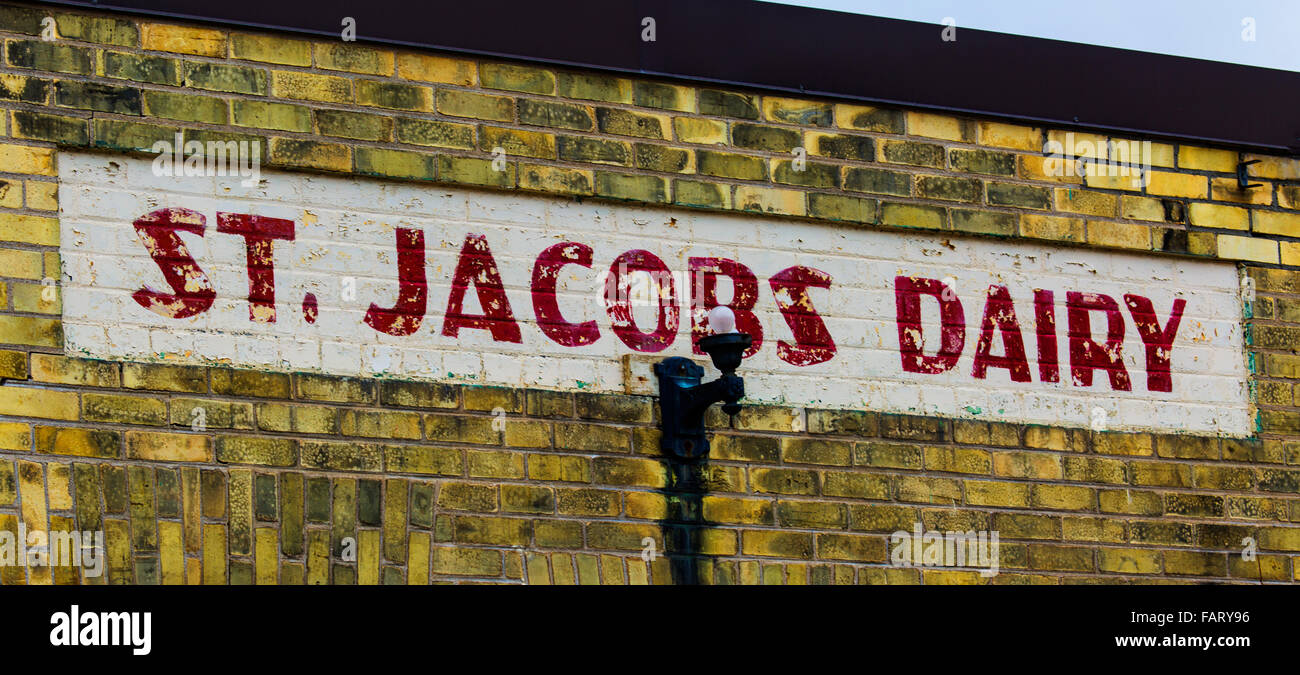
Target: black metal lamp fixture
683,398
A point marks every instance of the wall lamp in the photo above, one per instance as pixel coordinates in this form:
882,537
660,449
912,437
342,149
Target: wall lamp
683,398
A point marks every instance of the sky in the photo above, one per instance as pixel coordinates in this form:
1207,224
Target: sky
1203,29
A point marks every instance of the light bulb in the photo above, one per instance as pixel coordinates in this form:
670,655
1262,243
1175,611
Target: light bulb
722,320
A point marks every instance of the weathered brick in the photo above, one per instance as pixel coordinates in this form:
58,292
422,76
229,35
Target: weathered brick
475,171
517,78
98,97
53,128
185,107
53,56
270,49
123,409
183,39
79,442
311,87
394,95
626,123
311,154
777,544
268,115
432,68
631,187
168,447
345,456
556,179
395,163
163,377
423,460
426,132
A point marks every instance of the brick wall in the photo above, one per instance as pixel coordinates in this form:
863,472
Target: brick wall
432,491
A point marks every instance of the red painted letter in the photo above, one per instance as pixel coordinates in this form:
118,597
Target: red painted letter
407,313
813,343
619,306
952,325
477,266
191,291
704,296
546,273
259,233
1049,369
1001,313
1085,353
1159,342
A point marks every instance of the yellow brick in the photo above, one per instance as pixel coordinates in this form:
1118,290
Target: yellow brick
937,126
1218,215
39,230
992,493
1159,154
1282,168
1228,190
42,195
912,215
796,111
1270,222
1141,208
168,447
1291,253
1109,177
33,298
311,87
27,159
37,402
354,58
1137,152
171,550
1232,247
57,486
1052,227
553,179
21,264
1011,136
15,436
11,194
1086,202
270,49
429,68
1288,197
80,372
214,554
769,200
1057,169
697,130
1177,185
417,559
310,154
1074,144
1207,159
31,490
868,118
1129,560
265,556
184,40
1119,235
